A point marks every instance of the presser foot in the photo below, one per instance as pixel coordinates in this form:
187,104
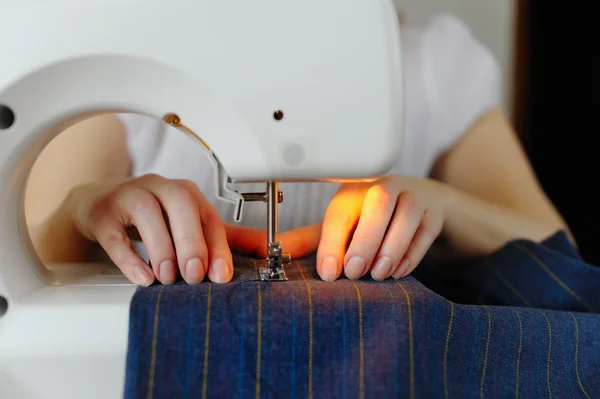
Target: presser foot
276,261
271,275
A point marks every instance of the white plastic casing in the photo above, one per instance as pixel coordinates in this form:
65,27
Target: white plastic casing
333,67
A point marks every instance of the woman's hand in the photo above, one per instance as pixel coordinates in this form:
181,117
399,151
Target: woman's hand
389,225
179,227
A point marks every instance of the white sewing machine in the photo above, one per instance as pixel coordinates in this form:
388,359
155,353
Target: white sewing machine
277,90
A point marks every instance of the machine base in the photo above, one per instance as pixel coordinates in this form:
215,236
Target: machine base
67,342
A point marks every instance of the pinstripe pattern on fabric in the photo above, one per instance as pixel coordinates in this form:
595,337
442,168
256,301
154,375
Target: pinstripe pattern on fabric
469,336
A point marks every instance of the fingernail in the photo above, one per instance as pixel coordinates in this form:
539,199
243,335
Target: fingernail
355,267
194,271
329,268
402,269
167,272
221,271
382,268
141,276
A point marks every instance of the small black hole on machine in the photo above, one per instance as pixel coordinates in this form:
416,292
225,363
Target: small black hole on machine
7,117
3,306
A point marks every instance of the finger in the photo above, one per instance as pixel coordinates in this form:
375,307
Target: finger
219,259
405,221
111,235
140,208
220,269
377,210
338,224
425,235
182,210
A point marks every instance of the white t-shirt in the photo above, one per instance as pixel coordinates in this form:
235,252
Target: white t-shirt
451,80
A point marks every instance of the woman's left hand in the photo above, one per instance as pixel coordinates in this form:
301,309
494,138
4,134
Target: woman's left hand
387,227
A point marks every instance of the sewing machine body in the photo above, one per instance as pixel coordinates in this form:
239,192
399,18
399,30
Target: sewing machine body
295,91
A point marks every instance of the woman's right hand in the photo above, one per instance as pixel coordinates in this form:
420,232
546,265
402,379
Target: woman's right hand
179,227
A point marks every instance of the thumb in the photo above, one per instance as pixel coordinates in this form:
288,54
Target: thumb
246,240
301,242
339,223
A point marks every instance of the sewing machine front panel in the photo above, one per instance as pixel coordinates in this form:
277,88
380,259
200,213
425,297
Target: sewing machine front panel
277,91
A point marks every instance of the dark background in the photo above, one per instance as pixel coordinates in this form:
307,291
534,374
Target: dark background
557,108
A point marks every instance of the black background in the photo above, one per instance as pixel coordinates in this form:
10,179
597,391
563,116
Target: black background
559,109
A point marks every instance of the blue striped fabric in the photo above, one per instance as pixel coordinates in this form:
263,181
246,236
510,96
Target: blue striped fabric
521,323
